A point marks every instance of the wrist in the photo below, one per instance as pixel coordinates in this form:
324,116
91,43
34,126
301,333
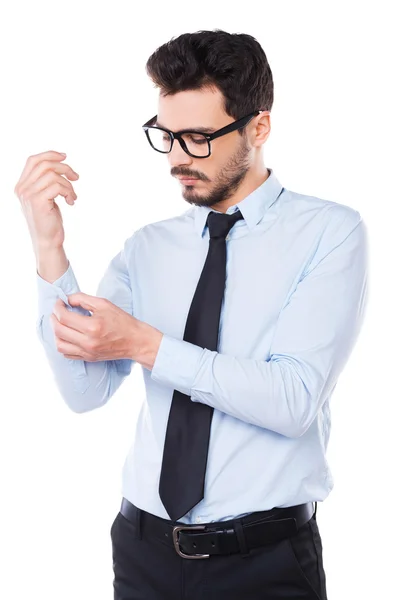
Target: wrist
47,247
51,263
147,345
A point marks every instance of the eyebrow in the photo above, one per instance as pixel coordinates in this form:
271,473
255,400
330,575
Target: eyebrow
199,129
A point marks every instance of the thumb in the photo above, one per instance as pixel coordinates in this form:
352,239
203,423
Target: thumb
84,300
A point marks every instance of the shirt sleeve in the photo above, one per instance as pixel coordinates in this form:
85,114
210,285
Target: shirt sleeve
315,333
84,385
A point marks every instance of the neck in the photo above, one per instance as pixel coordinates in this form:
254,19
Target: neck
254,178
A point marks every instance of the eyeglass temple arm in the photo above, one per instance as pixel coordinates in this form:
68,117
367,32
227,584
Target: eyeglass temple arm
149,122
233,126
217,134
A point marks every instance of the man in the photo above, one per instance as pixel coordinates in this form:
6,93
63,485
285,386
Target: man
242,311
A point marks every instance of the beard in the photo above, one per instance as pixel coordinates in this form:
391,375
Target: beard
226,182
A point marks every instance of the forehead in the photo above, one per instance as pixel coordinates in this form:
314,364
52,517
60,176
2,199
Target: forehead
192,108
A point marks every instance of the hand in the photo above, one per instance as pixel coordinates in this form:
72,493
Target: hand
109,333
41,181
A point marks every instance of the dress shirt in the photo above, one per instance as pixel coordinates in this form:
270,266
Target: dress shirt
295,297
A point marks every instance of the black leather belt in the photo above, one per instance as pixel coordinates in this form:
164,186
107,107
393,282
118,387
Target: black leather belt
221,537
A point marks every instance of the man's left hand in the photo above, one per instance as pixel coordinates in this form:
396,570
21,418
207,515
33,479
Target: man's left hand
109,333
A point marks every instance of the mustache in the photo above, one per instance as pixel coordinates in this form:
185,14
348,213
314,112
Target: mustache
186,173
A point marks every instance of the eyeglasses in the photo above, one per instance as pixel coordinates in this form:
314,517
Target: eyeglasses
195,143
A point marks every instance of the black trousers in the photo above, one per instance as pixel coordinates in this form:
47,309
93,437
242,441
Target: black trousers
147,569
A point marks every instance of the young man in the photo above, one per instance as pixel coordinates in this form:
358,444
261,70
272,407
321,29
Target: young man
242,311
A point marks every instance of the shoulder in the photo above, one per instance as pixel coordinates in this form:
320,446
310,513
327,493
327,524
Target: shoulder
306,205
152,232
325,220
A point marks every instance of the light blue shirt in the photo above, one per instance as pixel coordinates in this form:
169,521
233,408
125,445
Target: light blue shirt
295,298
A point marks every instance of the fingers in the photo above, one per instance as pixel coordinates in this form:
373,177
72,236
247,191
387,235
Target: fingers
72,319
35,159
42,173
68,341
49,180
51,167
51,192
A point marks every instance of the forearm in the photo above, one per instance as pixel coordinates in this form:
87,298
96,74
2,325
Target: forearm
51,262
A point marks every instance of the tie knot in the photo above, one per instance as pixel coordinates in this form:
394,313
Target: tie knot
220,224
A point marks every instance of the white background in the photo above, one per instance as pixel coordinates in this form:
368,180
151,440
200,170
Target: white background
73,80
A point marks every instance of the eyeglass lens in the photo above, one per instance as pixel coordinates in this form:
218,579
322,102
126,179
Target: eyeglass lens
196,143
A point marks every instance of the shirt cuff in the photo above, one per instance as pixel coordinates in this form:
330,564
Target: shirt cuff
48,293
177,364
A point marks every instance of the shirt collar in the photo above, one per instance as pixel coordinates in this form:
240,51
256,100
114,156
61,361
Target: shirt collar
253,207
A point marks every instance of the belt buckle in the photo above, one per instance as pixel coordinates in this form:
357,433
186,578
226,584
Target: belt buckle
175,538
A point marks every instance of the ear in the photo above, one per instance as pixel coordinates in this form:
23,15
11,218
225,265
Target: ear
262,128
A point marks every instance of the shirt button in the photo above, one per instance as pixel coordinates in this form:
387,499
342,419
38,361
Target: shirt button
198,519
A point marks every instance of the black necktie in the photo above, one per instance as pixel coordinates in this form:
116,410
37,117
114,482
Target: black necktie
188,430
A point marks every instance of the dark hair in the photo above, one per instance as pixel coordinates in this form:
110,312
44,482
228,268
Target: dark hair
235,63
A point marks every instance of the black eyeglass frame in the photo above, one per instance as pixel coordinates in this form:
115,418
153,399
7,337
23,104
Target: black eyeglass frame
177,135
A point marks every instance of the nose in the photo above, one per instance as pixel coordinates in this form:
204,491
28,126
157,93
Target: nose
178,156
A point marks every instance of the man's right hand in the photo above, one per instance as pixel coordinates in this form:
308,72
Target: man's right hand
41,181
